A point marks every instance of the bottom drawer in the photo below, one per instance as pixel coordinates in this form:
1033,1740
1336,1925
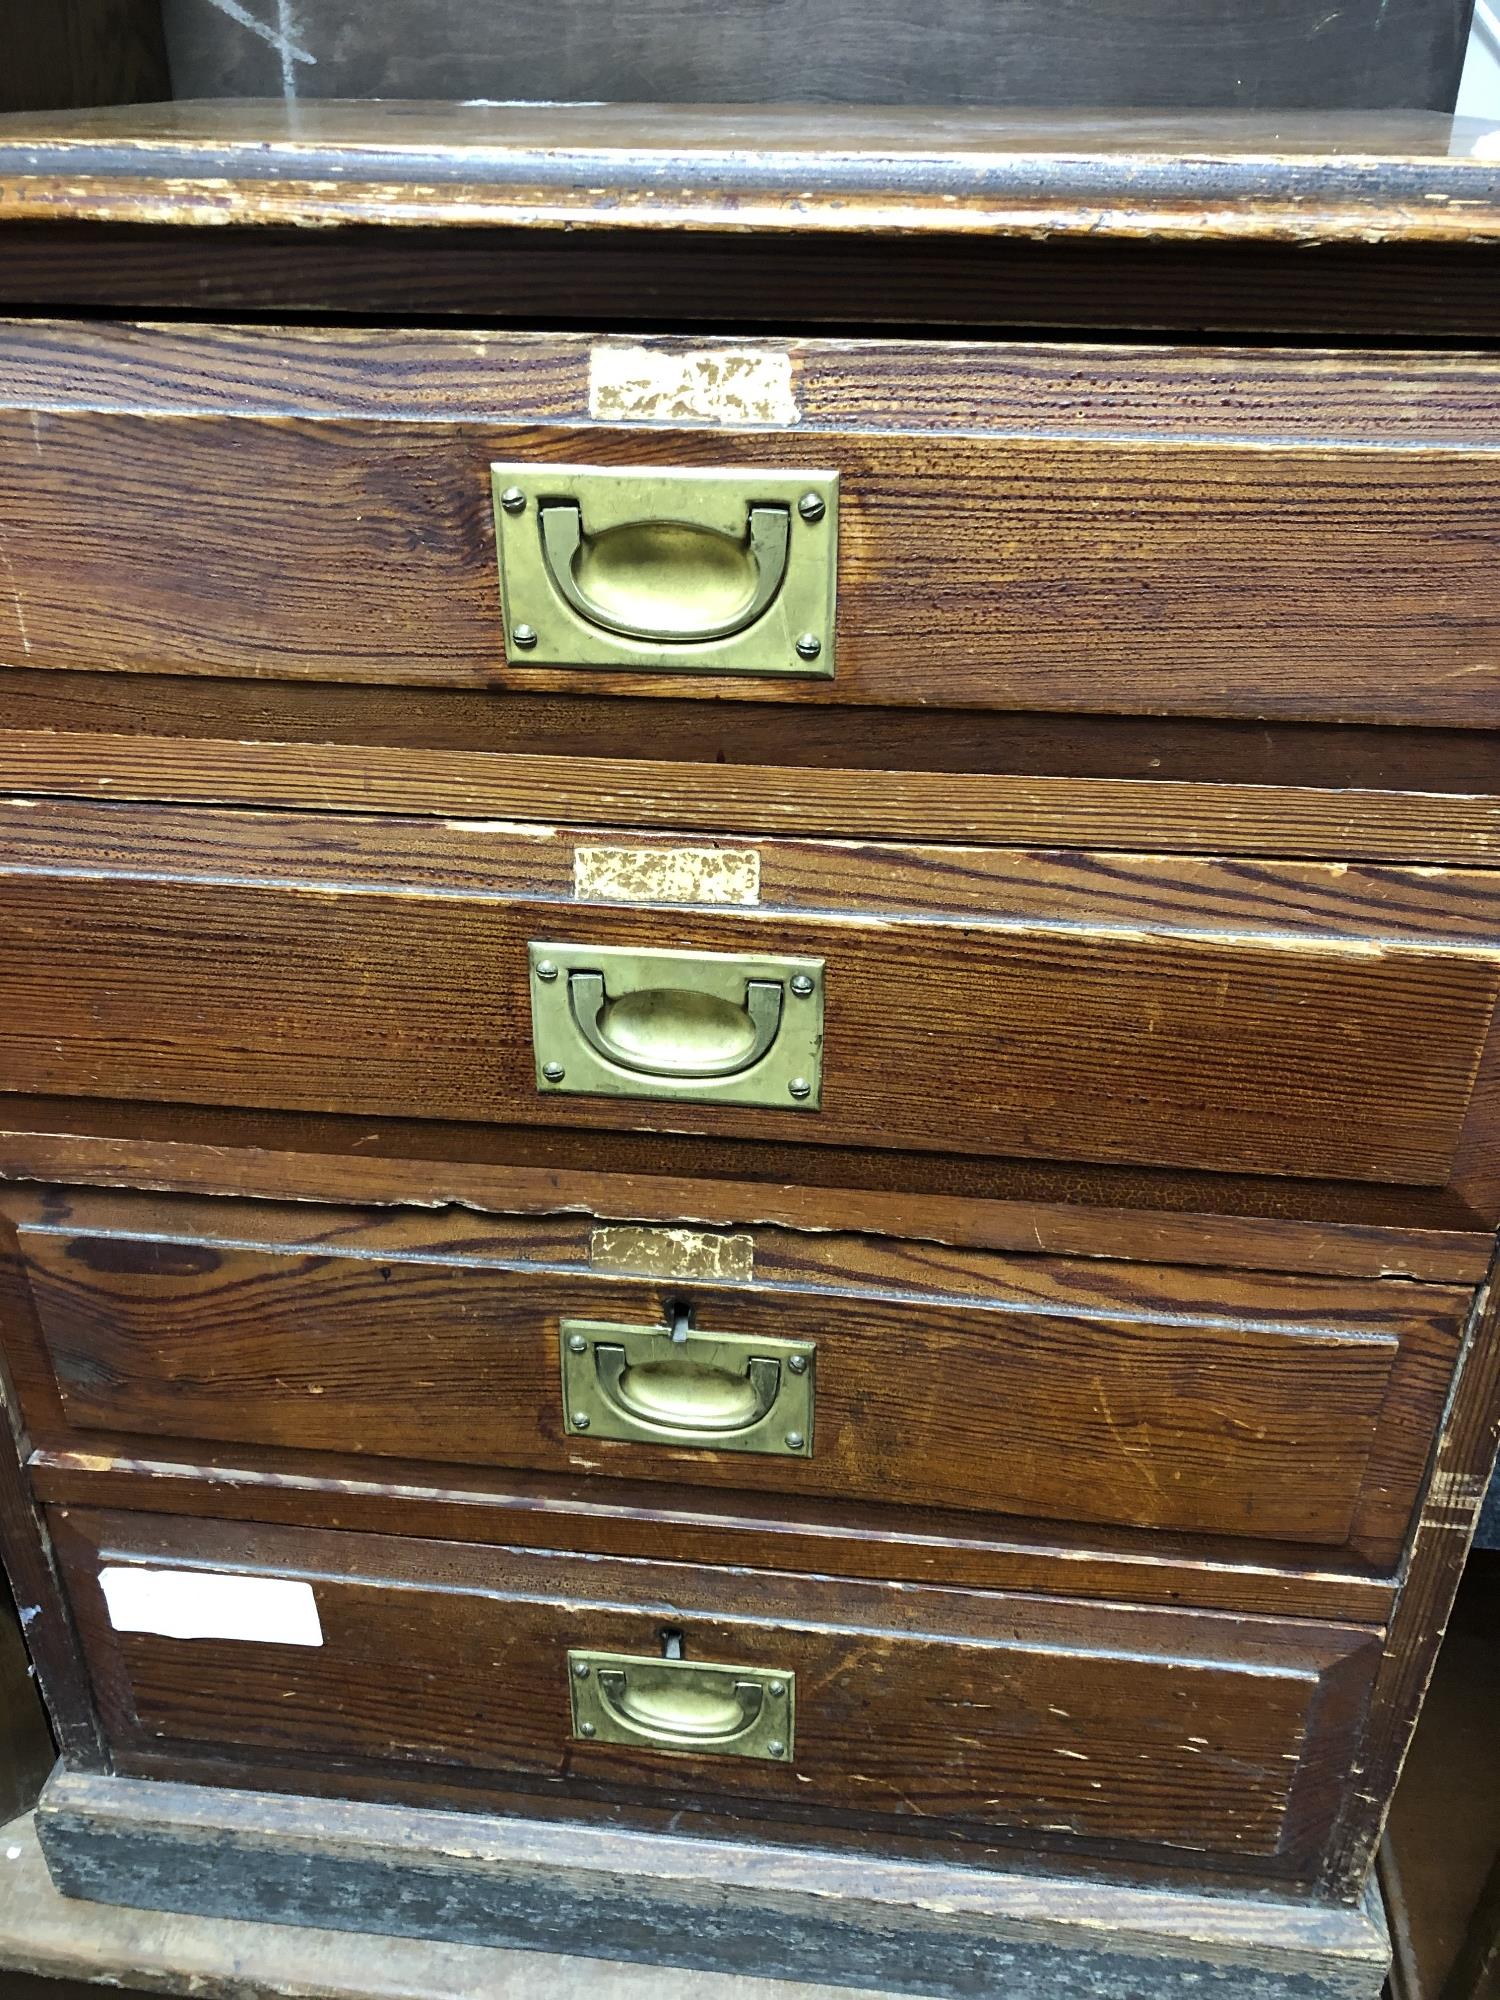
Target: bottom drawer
326,1659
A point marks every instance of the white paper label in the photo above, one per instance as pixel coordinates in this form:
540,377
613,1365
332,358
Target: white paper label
198,1604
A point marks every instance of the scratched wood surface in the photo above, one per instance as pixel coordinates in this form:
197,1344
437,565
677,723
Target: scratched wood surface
675,1524
1085,561
697,1902
904,1698
1245,1221
202,968
757,799
1206,884
782,1533
70,1947
207,711
1267,1409
788,169
719,281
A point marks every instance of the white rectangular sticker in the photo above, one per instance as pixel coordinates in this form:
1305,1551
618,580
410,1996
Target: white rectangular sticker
198,1604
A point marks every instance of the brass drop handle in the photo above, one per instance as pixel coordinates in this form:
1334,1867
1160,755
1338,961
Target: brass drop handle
728,584
677,1027
674,1031
688,1403
672,1703
688,1385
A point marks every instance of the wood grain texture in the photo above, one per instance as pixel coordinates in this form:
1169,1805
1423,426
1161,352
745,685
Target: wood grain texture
1214,1220
777,1534
300,1376
1083,564
913,1706
1170,1400
1226,1046
1168,894
193,708
785,168
722,282
1046,388
755,800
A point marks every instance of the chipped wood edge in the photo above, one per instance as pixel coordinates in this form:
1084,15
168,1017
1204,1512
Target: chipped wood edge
1140,815
742,191
168,1164
55,1937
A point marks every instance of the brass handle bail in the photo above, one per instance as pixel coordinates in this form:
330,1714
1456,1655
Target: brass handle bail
673,1033
688,1706
766,546
690,1405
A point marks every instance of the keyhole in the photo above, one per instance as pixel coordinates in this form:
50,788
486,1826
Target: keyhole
671,1642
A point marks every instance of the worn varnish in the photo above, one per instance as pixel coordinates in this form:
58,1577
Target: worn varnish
1200,1220
787,169
1271,1410
1149,830
902,1699
1220,1045
1089,553
700,1902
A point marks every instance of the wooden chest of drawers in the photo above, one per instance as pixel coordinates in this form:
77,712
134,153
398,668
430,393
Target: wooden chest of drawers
753,1093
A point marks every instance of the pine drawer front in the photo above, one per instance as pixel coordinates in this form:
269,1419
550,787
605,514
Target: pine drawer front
958,1004
1285,1410
448,1669
1018,527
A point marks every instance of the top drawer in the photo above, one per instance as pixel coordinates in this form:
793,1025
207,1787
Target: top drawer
1124,531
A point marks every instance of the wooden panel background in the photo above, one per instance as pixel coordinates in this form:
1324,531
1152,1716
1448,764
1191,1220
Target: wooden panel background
915,1706
386,504
1182,576
1201,1402
180,977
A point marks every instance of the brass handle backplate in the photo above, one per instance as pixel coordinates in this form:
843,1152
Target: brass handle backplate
688,1386
678,1025
688,1706
716,570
